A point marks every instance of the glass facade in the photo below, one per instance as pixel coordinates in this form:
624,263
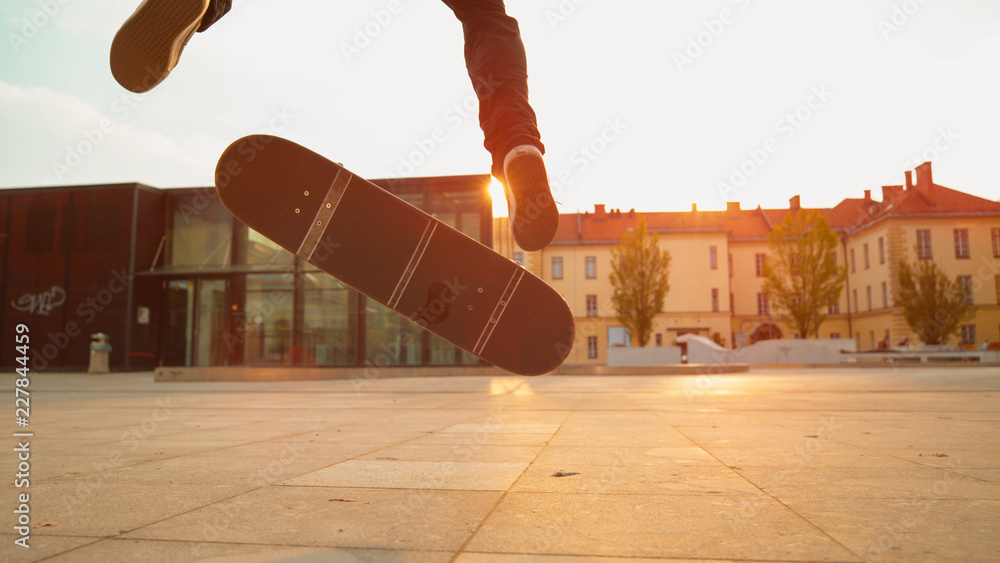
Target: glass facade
175,280
329,328
233,297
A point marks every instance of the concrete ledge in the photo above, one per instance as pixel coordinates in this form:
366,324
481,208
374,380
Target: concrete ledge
619,356
287,373
672,369
283,373
984,357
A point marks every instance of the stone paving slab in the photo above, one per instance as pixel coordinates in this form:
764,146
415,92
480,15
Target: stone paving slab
876,464
388,519
414,475
651,526
158,551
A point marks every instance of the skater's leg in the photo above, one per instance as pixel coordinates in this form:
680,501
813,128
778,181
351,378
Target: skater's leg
496,61
495,58
149,43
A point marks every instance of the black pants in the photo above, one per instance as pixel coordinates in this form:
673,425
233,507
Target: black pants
494,56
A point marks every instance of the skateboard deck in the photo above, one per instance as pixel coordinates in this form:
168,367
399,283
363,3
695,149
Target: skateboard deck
396,254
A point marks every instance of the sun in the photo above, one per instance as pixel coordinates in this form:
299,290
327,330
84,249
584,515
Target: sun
499,201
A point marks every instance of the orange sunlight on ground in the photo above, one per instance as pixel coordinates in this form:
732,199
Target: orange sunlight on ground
499,202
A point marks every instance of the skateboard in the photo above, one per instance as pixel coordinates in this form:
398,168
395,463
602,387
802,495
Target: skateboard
392,252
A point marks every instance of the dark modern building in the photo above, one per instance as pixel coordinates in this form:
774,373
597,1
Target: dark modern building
175,280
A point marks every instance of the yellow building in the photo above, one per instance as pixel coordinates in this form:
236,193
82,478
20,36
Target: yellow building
920,220
718,257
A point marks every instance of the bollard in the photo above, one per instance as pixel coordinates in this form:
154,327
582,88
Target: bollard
100,352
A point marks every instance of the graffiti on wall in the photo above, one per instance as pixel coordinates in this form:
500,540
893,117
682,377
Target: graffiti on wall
41,303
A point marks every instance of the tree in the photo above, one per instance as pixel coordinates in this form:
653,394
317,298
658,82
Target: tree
933,305
640,270
801,276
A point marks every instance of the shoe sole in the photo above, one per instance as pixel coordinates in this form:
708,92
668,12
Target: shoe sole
149,43
535,219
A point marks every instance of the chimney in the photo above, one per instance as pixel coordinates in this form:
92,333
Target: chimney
599,212
868,196
795,203
924,176
909,179
732,206
694,207
925,182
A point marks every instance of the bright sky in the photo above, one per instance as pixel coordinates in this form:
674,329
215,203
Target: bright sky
651,104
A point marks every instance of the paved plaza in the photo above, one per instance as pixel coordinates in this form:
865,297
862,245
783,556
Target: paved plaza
771,465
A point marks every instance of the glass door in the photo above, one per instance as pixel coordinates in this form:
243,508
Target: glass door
211,328
195,323
177,342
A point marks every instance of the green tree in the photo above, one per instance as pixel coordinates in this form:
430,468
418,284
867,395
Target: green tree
640,271
801,276
934,305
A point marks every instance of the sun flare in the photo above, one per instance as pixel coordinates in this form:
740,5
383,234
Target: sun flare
499,201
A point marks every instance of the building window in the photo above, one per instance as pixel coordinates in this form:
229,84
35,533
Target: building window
730,265
853,269
834,335
961,243
867,263
835,308
713,257
592,347
557,269
659,340
924,244
968,334
868,291
881,250
759,262
997,282
855,295
885,295
732,298
965,282
996,242
590,267
591,306
715,300
762,306
519,258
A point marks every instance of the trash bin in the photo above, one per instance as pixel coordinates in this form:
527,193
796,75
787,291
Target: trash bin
100,351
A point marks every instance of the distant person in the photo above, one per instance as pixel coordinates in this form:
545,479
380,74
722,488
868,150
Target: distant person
149,45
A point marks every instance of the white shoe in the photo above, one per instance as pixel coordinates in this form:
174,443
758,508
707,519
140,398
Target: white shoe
533,214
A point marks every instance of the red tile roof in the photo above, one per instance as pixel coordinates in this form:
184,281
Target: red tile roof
922,200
